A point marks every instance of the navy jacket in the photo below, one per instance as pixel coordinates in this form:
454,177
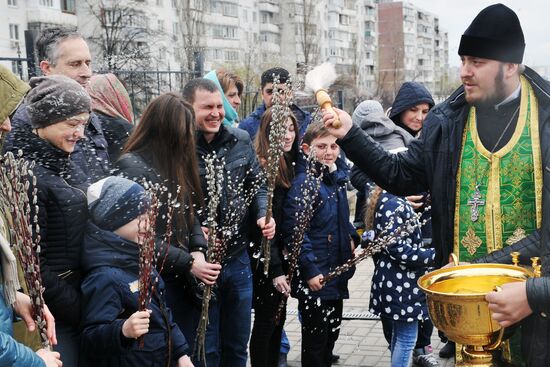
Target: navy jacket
241,169
90,157
252,122
327,241
110,295
116,131
62,216
394,293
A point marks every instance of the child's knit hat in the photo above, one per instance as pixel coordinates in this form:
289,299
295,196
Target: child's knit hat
115,201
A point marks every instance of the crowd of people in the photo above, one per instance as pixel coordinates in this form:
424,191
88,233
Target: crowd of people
412,163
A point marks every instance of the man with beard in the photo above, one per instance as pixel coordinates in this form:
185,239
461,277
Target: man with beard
484,155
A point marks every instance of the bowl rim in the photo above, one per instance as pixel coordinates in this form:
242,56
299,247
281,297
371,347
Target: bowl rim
522,274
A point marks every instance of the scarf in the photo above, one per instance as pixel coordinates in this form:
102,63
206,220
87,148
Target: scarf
109,97
9,266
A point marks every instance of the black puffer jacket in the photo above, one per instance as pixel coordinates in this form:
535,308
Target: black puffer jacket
62,215
431,163
241,168
139,166
116,131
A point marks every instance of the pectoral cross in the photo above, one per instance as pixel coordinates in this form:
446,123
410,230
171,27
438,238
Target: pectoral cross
475,202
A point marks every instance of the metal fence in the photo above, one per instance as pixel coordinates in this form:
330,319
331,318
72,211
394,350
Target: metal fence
144,85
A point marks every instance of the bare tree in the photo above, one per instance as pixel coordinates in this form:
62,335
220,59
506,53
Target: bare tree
307,30
121,33
192,28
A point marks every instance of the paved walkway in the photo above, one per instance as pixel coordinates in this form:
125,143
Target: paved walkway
361,342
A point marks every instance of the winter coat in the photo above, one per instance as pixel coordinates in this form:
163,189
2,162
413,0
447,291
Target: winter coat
252,122
394,293
12,91
110,296
138,166
327,240
90,157
241,166
13,353
62,215
431,163
116,131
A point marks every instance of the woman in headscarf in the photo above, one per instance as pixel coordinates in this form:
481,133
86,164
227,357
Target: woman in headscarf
111,102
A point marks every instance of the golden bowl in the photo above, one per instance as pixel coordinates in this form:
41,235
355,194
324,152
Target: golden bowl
456,300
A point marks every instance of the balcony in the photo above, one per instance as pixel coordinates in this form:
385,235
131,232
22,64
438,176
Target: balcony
268,27
269,6
51,16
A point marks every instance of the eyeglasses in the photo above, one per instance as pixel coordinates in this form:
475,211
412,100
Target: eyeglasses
270,91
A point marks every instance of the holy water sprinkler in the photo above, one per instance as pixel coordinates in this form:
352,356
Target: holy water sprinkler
318,80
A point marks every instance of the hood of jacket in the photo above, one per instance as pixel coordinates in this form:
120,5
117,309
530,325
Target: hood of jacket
106,248
12,91
231,116
409,95
383,130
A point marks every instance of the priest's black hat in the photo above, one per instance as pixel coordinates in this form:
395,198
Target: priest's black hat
496,34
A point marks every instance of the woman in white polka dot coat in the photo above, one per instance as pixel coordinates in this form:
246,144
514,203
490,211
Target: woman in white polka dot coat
394,293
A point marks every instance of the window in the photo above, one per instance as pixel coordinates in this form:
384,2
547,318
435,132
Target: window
159,2
48,3
232,55
254,16
215,7
245,15
230,10
160,24
176,28
68,6
220,31
14,32
174,4
217,54
12,2
343,19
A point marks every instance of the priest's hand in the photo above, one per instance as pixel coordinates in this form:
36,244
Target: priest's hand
345,118
509,305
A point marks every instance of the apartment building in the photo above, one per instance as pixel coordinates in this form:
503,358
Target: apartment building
17,16
412,47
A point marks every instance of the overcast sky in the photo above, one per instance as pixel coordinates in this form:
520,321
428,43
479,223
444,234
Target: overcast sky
534,15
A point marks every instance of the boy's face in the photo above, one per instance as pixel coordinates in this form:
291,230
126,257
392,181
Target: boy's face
326,150
132,230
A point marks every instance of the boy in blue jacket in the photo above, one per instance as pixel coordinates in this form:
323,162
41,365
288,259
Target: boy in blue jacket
111,321
328,243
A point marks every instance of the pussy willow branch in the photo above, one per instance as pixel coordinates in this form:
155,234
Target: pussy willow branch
309,192
16,175
214,182
282,97
380,243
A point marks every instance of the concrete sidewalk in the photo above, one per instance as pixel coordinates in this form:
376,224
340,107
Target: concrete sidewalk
361,342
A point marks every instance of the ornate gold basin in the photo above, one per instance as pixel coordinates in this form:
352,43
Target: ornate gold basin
457,306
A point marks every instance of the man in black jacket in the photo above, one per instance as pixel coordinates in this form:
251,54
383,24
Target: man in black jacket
230,314
512,106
